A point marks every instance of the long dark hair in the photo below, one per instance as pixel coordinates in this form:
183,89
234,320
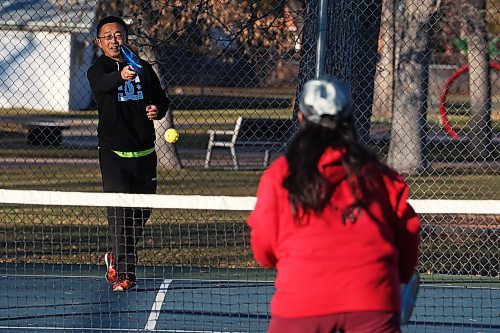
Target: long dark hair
308,190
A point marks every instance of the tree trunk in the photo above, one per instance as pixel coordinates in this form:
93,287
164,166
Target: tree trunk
167,152
168,158
408,146
307,50
384,76
479,81
351,52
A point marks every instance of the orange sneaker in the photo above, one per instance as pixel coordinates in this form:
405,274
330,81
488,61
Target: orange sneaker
124,285
111,275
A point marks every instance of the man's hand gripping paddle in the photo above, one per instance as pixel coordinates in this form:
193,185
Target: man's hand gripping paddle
131,58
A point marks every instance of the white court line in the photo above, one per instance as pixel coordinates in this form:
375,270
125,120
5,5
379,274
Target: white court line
48,328
155,310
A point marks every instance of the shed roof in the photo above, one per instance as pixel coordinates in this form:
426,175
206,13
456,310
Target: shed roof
65,15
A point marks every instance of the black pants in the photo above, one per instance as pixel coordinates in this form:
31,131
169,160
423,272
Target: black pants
127,175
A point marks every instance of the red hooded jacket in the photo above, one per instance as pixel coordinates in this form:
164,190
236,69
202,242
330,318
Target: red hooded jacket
325,266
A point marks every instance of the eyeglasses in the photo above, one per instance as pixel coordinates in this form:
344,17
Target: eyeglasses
108,38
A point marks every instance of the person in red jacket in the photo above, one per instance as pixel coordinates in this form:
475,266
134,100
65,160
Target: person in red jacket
335,223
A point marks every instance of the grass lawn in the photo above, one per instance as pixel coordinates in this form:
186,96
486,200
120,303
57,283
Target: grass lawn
439,184
450,252
455,173
219,240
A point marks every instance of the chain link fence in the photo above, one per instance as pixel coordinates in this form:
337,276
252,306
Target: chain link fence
424,79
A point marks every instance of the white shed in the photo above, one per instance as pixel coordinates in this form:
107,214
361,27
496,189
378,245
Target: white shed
45,51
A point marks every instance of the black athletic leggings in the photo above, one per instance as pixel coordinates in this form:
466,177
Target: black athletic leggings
127,175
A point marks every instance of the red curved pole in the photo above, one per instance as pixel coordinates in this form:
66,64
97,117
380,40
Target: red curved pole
442,98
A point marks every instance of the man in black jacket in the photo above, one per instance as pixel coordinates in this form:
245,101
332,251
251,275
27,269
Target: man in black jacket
127,104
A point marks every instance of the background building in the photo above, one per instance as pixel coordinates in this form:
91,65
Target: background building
45,50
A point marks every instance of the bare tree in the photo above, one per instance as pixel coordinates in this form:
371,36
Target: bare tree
296,8
308,42
479,77
414,24
254,27
144,16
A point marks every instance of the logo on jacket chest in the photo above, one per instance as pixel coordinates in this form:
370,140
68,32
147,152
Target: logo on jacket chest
130,91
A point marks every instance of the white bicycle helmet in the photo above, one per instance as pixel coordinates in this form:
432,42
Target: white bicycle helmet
325,96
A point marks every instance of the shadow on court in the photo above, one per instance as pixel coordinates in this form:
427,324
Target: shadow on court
77,299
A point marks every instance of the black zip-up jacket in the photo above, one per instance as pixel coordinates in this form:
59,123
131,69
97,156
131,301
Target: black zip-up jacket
123,123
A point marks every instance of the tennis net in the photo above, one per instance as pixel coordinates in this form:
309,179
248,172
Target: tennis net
196,272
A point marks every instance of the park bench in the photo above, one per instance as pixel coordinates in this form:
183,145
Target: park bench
254,133
39,131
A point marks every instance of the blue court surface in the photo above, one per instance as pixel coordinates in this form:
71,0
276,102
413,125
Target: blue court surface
78,299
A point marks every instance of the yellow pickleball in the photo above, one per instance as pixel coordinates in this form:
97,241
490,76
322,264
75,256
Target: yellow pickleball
171,135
